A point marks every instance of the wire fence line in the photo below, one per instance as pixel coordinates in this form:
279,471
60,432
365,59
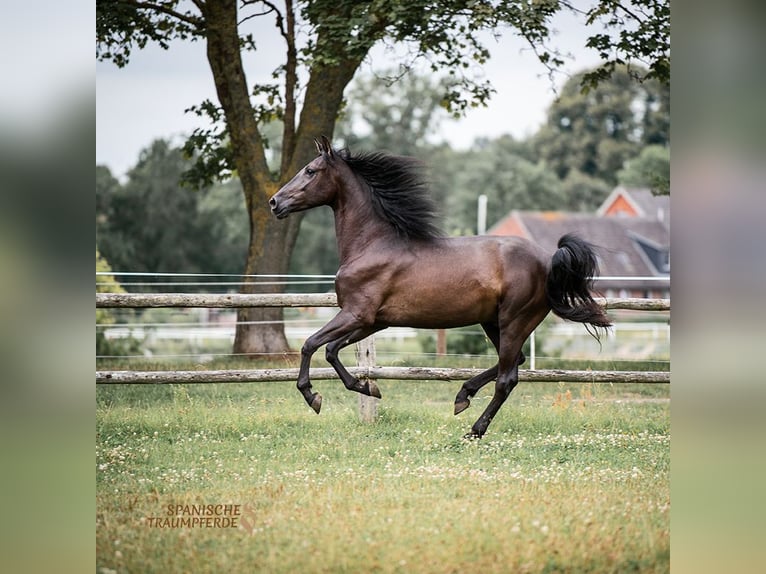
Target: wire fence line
208,283
173,274
310,276
260,280
227,281
212,324
232,301
170,329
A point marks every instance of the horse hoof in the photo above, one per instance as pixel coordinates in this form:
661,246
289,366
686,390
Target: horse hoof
460,406
473,435
372,390
316,402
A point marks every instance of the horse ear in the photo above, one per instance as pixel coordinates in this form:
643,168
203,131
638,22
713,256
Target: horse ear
318,145
327,146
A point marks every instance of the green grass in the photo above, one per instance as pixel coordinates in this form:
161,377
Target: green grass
569,478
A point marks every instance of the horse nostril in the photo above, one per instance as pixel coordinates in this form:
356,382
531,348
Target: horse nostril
273,203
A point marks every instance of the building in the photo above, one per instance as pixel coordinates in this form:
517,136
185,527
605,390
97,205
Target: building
631,231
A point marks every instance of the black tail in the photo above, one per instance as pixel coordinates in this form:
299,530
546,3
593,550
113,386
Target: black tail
569,282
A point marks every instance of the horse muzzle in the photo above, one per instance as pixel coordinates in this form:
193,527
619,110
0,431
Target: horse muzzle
279,207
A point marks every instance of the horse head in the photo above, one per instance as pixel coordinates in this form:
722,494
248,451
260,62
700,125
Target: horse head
312,186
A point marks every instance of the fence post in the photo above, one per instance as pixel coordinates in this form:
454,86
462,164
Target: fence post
365,357
441,342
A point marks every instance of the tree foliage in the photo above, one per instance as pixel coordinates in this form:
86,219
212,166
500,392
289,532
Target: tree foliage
154,224
394,114
651,168
499,170
633,32
108,284
589,135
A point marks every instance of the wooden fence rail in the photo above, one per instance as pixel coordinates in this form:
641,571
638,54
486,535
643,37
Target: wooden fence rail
237,300
391,373
141,300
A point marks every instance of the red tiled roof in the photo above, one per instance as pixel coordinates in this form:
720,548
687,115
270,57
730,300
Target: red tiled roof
614,237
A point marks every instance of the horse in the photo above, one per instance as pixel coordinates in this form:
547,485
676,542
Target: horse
398,269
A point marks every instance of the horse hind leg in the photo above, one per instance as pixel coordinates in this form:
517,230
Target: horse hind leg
510,355
367,387
472,385
506,382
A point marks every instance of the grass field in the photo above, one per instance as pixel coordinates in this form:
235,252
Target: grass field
569,478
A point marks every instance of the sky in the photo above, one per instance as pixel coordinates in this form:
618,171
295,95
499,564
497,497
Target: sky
146,100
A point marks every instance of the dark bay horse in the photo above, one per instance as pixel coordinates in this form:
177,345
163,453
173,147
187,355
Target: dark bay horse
396,269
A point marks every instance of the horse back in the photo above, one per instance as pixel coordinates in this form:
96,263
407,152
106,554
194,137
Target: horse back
446,283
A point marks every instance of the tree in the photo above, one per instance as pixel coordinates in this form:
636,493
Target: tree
638,30
498,170
107,189
223,228
107,186
590,134
107,284
152,223
583,192
325,41
651,168
393,114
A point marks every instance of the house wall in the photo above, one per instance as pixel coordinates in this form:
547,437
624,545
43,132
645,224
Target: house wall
508,226
620,206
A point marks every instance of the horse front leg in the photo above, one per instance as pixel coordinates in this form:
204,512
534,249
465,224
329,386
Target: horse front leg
342,324
368,387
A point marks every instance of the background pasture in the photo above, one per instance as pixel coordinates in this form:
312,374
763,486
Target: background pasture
569,478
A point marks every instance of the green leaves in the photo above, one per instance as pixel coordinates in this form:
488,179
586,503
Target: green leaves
594,131
444,34
209,148
151,223
651,168
638,31
122,25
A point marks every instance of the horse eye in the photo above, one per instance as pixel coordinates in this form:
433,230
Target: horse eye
310,171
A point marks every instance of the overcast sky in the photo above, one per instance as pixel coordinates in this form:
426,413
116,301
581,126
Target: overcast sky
146,99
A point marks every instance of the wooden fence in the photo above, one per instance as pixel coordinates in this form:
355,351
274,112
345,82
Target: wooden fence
395,373
366,366
235,300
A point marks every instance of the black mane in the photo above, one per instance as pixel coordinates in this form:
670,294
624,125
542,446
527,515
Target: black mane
398,191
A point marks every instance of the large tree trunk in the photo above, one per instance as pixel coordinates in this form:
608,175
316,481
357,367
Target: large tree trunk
260,331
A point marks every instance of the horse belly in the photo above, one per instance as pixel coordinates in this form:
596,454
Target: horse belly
440,306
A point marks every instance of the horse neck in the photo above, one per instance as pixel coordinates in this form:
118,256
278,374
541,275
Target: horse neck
357,228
